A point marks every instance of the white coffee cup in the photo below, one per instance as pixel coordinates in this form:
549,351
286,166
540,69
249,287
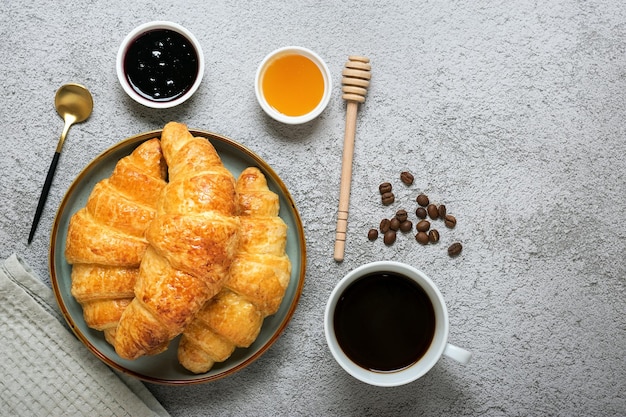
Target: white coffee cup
438,347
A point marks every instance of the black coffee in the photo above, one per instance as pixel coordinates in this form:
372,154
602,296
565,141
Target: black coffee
384,322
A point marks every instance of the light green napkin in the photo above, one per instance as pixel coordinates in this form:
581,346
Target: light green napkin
45,369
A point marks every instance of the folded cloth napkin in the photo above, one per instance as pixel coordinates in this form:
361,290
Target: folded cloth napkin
45,369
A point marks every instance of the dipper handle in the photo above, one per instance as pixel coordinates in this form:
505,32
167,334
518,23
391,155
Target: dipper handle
356,80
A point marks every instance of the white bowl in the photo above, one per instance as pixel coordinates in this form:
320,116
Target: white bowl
136,34
271,111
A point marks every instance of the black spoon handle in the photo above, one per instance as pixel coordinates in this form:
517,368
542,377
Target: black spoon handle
44,195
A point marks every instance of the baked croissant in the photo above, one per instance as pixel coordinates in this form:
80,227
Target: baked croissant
105,239
192,242
259,276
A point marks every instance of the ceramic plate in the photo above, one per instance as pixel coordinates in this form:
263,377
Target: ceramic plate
164,368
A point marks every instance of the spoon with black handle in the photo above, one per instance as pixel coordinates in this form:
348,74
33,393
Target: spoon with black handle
74,104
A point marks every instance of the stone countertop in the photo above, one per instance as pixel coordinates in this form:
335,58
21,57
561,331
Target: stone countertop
512,114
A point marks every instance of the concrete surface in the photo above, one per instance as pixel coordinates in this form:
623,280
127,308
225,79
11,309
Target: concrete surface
510,113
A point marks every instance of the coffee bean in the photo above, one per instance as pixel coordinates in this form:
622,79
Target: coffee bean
455,249
450,221
426,210
388,198
422,200
423,226
390,237
407,178
422,237
442,211
406,226
401,215
385,187
385,224
432,211
420,212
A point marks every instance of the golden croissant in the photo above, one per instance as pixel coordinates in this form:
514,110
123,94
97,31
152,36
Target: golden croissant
258,278
192,242
105,239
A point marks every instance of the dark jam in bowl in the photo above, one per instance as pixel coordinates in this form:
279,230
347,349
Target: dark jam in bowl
161,65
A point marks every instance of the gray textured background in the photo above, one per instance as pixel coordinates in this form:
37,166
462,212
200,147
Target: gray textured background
511,113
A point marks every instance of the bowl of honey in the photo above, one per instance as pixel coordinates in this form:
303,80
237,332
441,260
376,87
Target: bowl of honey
293,85
160,64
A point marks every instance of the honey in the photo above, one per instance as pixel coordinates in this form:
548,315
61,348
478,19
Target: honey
293,85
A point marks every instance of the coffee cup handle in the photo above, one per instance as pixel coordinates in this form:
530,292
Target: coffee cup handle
458,354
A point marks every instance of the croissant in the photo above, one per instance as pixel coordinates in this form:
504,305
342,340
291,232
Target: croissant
105,239
258,278
192,242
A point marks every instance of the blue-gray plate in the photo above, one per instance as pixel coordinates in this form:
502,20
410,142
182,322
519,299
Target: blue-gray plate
164,368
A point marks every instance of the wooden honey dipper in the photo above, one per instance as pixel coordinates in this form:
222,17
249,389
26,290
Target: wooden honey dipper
356,79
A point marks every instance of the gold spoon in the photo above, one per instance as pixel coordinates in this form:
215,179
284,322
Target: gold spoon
74,104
